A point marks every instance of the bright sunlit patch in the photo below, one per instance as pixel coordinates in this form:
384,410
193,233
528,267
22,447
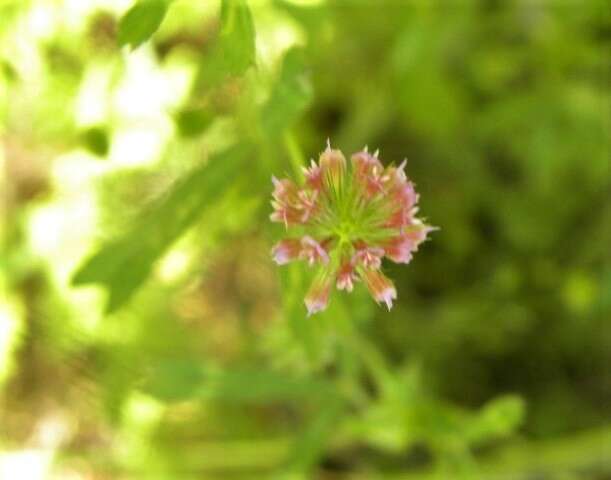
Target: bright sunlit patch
91,105
62,231
24,52
139,146
76,171
53,430
142,412
173,265
277,38
42,21
61,234
56,230
143,103
11,330
26,464
147,90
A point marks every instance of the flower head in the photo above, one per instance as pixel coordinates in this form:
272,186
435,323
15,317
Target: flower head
346,217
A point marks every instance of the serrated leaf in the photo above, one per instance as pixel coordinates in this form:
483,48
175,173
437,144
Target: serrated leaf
290,96
141,21
235,51
124,263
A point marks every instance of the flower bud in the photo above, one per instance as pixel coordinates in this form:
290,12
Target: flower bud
333,165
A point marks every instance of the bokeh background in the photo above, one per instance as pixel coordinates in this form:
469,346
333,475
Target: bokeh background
145,332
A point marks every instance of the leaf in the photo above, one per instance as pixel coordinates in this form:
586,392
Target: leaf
311,18
237,36
95,139
141,21
124,263
290,96
498,418
9,71
311,444
186,380
235,51
192,122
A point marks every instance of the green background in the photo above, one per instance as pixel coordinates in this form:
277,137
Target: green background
145,332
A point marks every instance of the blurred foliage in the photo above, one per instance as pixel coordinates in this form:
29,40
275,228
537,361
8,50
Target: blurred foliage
145,333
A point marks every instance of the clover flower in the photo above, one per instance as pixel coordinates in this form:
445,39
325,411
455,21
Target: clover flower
346,217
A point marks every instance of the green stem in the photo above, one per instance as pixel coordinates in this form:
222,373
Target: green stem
295,155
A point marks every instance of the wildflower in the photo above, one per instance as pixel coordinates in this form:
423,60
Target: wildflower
347,217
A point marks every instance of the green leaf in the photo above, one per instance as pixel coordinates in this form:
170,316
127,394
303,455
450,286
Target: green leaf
124,263
290,96
311,444
186,380
141,22
192,122
312,18
498,418
95,139
8,71
235,51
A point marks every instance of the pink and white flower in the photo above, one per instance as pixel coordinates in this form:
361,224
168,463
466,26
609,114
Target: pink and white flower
349,217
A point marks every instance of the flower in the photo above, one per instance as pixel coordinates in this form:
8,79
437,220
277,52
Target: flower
346,217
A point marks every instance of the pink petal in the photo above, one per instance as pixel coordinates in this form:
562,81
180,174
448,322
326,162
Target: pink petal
286,251
312,251
317,298
381,287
